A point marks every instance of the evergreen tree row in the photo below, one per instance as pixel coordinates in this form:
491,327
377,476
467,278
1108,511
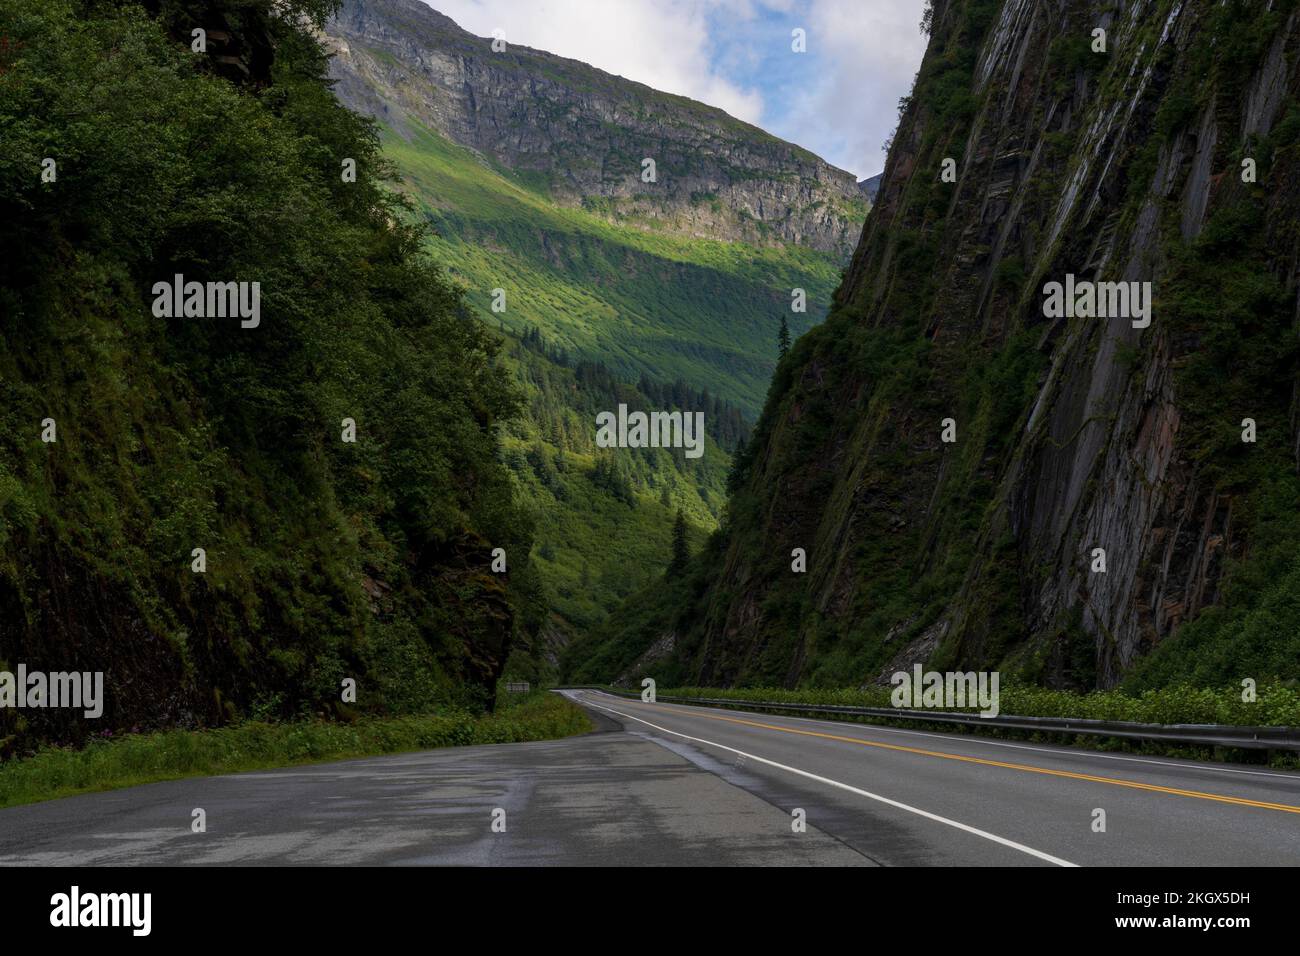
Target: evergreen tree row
723,421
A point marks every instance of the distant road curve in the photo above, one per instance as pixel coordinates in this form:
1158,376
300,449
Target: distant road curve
664,784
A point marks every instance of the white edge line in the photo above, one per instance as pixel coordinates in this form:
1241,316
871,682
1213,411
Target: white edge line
844,786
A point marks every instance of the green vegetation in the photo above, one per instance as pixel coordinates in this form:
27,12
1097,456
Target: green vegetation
896,381
664,605
681,547
593,304
1224,295
642,302
325,560
890,365
602,518
107,763
1277,705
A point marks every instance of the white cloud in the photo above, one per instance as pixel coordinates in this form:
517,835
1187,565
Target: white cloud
872,49
661,43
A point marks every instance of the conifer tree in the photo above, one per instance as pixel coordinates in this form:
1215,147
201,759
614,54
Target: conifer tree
681,551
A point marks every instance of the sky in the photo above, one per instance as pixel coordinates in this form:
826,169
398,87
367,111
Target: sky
839,99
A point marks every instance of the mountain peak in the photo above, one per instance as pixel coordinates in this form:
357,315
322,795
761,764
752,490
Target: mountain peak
636,155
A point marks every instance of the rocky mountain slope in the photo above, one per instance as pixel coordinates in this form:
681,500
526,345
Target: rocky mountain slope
581,135
1171,157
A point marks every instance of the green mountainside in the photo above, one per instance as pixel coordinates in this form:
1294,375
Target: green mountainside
607,290
183,511
642,301
602,518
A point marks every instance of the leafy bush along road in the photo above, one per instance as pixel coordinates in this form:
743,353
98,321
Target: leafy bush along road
147,758
1276,704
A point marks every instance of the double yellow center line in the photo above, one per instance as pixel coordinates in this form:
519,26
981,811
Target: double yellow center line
1027,768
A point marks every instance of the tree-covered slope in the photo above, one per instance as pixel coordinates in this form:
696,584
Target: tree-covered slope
602,517
1169,156
595,314
609,289
127,440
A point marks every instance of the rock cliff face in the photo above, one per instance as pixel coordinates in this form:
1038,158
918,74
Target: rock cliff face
1172,157
870,187
582,134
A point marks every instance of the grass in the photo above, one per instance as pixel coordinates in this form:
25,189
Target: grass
171,755
1276,704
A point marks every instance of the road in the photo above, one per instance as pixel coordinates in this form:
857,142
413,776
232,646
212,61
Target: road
661,784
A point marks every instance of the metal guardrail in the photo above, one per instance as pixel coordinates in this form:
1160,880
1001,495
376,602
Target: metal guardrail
1205,735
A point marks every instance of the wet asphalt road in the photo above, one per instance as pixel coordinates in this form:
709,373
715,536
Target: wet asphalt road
660,784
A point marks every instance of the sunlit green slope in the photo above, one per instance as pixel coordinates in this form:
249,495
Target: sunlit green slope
641,301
